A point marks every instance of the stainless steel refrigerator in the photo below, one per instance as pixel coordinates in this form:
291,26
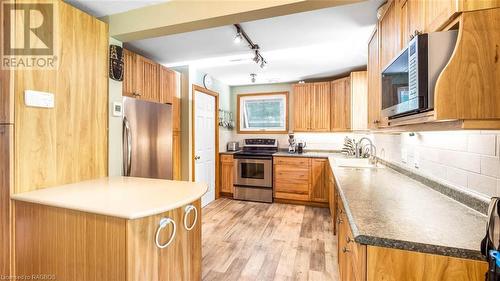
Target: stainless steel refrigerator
147,139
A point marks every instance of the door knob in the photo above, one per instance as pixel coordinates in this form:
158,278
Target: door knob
197,157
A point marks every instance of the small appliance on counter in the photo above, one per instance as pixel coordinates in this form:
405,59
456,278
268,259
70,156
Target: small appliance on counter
292,145
491,242
300,147
233,146
253,170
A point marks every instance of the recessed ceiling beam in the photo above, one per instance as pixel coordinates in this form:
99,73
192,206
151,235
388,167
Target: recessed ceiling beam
179,16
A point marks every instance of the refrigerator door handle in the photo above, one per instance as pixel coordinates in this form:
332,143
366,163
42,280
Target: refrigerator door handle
128,137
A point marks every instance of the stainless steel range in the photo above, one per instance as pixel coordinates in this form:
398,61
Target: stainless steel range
253,173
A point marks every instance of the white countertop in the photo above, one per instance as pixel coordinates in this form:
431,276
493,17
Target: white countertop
123,197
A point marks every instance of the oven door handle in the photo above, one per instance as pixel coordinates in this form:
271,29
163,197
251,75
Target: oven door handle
252,157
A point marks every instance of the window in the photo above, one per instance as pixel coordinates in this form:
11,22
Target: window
263,113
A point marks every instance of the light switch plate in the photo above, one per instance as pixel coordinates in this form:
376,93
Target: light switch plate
404,155
416,159
117,109
38,99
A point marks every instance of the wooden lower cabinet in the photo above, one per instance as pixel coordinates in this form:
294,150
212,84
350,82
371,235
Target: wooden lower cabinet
319,180
226,174
301,179
292,178
393,264
359,262
73,245
332,199
351,255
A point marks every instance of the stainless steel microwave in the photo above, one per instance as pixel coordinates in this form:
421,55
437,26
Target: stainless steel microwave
408,81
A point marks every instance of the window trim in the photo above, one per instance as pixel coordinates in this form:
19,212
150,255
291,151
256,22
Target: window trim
264,131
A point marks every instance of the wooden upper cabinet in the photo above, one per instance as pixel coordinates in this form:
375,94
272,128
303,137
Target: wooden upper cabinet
374,98
6,134
416,17
167,85
320,107
319,180
389,37
359,100
6,100
438,13
340,105
129,73
404,23
302,102
148,79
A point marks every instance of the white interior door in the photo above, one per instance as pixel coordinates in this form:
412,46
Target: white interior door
204,143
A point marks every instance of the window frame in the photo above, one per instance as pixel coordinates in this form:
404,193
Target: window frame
262,131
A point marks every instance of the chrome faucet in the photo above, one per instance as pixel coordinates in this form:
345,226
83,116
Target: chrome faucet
373,150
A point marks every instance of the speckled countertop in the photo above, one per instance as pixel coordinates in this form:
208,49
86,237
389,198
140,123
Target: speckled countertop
388,209
307,153
229,152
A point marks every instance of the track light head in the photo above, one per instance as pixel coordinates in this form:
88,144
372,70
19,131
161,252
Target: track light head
256,59
238,38
263,64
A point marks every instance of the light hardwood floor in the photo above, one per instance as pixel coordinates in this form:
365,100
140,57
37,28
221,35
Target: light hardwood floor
258,241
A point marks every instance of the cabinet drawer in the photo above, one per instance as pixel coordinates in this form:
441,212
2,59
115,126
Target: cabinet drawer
291,173
226,158
304,162
291,186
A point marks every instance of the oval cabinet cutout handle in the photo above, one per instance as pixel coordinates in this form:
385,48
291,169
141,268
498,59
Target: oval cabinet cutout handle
164,222
187,211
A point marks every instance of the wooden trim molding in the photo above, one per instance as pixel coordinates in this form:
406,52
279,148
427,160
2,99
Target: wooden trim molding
287,113
193,134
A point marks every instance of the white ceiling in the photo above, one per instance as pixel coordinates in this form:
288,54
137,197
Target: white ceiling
313,44
100,8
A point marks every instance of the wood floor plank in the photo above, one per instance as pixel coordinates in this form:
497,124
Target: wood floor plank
257,241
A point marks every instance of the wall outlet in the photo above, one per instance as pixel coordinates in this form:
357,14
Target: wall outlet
404,155
416,159
38,99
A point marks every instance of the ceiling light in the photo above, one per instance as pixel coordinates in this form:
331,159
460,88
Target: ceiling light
238,38
253,75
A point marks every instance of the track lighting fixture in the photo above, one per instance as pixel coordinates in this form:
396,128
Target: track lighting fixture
240,35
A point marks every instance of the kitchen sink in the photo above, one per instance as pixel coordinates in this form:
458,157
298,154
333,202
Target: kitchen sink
355,163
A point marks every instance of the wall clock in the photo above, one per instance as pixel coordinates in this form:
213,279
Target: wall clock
207,81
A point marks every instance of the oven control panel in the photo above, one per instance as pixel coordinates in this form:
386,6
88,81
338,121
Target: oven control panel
261,142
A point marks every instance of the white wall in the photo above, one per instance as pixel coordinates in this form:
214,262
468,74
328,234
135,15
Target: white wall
468,160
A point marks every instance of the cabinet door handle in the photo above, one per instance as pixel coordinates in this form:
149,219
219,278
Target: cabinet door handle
164,222
187,210
345,250
339,220
348,239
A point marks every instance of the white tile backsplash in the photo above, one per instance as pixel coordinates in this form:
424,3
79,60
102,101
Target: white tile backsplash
482,144
465,159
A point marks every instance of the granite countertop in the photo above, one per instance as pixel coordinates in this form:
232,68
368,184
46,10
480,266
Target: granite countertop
229,152
388,209
308,154
122,197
